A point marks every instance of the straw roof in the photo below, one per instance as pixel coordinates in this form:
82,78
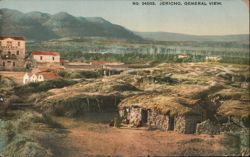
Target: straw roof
235,108
166,104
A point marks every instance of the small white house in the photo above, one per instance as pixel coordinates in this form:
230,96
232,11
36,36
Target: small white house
183,56
213,58
46,57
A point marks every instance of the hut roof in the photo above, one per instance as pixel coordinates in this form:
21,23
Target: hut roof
45,53
235,108
164,103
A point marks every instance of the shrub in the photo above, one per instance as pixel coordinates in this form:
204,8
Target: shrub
6,82
74,75
63,74
232,142
24,146
43,86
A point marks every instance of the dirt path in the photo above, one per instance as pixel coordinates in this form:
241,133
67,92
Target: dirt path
93,139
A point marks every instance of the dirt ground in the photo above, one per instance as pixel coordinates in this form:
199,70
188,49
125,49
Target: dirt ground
16,76
85,138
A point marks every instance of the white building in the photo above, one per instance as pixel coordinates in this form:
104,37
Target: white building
183,56
213,58
46,57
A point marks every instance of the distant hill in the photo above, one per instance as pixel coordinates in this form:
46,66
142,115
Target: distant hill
166,36
38,26
43,26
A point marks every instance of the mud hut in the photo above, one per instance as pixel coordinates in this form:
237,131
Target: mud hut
135,115
162,112
237,111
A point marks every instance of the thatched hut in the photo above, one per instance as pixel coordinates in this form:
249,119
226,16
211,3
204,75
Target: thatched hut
163,112
238,111
134,115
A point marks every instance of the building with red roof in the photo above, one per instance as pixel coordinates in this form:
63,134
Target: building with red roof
46,57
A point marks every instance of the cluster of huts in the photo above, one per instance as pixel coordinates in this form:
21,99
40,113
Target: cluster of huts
162,112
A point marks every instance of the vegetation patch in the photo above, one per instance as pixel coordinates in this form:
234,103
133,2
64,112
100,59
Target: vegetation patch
24,146
235,108
6,82
79,74
43,86
75,105
164,103
17,133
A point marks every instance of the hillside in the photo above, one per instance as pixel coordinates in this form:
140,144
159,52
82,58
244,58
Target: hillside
167,36
42,26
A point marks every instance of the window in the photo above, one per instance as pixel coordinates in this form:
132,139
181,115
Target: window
53,58
9,43
8,53
14,64
17,52
41,57
3,64
18,43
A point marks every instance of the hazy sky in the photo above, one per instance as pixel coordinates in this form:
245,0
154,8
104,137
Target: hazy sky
230,18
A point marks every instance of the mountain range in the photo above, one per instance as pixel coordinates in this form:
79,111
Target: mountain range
42,26
38,26
167,36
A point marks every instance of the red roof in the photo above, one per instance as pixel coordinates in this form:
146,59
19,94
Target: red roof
15,38
99,62
45,53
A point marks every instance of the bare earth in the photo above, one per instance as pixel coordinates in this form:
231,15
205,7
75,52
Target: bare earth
16,76
96,139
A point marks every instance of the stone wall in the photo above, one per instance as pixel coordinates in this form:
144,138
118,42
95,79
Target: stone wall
135,117
12,64
159,121
186,124
208,127
180,124
124,113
